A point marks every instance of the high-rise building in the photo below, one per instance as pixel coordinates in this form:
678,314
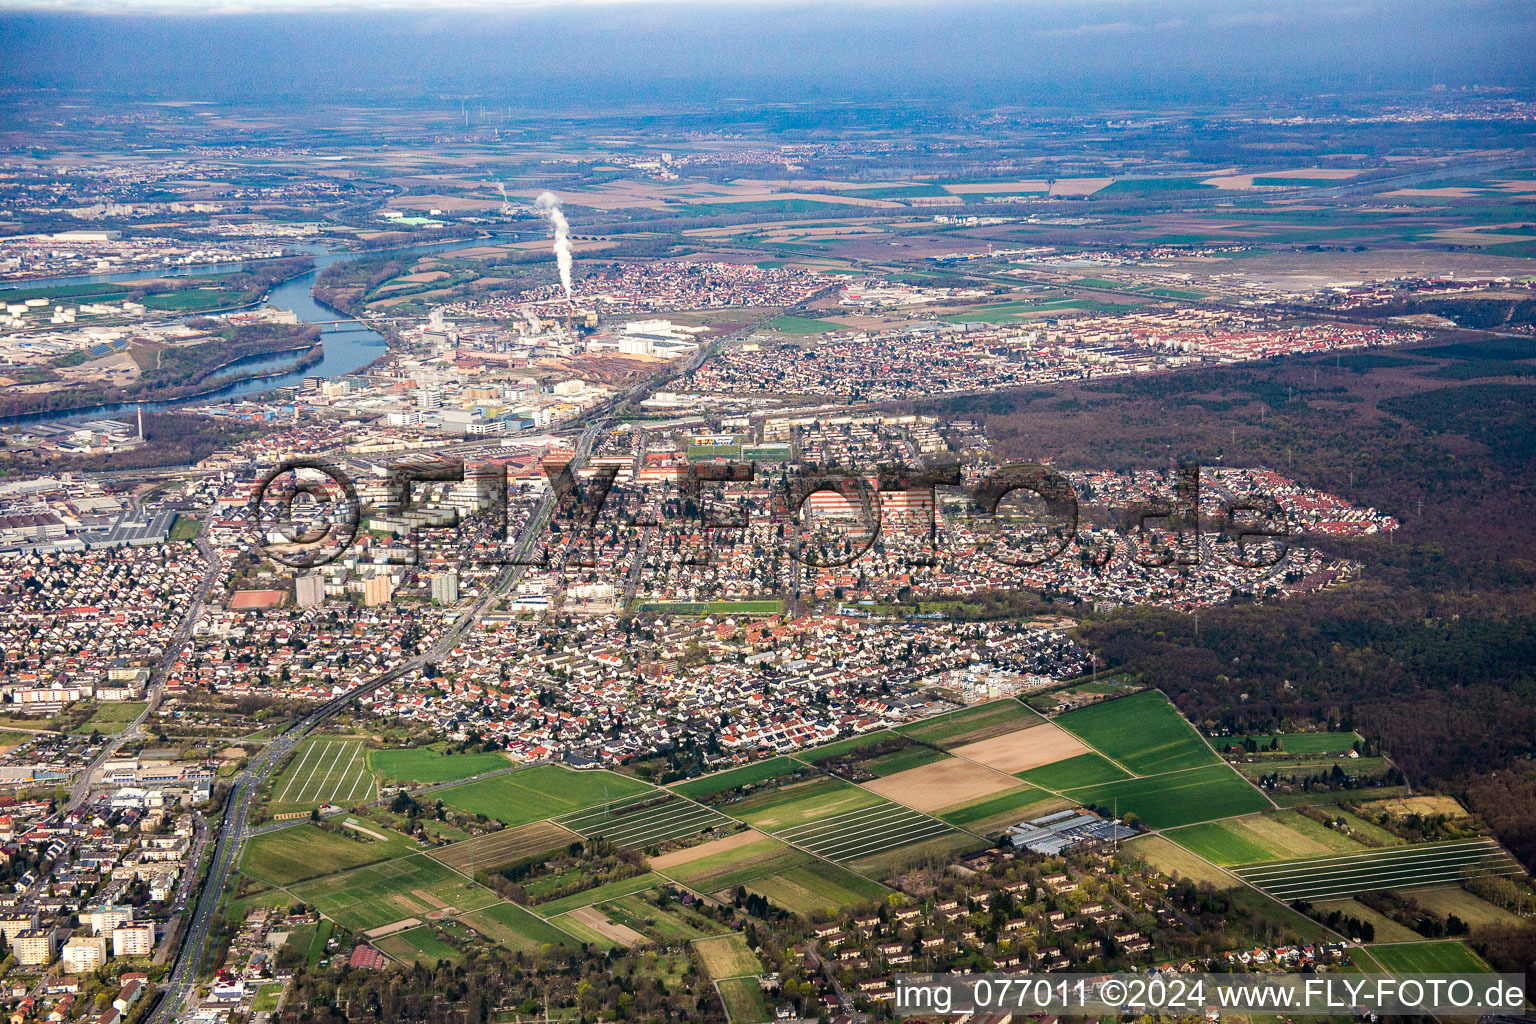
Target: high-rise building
34,948
376,591
104,918
83,954
309,589
445,587
133,939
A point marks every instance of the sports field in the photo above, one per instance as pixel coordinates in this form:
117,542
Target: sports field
970,725
509,925
540,792
486,853
1278,835
1400,867
1427,958
324,771
305,851
1179,798
863,832
1083,770
644,821
426,766
817,888
393,890
1144,732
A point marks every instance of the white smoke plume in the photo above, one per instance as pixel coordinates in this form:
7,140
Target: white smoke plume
550,206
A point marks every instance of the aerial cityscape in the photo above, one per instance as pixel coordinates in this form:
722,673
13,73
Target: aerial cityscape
733,512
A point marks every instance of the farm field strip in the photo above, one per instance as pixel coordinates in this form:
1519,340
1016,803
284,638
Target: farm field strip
574,820
320,780
864,832
502,847
297,770
670,820
1402,867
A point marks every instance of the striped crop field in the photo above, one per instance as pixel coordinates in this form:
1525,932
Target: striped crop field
864,832
644,821
325,770
1399,867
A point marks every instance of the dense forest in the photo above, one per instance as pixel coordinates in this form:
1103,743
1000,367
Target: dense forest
1432,653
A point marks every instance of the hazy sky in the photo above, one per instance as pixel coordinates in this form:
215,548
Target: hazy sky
605,52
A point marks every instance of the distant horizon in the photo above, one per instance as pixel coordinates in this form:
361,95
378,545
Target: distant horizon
1029,55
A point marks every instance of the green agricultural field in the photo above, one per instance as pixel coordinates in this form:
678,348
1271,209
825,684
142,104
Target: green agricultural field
601,894
801,802
914,756
1146,186
112,718
310,940
390,891
11,740
1298,182
324,770
719,782
1083,770
266,998
837,748
994,813
743,999
817,887
731,868
1397,867
727,956
971,725
540,792
1427,958
192,299
802,325
488,852
673,923
426,766
509,925
1144,732
307,851
1181,798
1277,835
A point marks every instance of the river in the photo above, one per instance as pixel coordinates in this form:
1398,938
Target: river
346,347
